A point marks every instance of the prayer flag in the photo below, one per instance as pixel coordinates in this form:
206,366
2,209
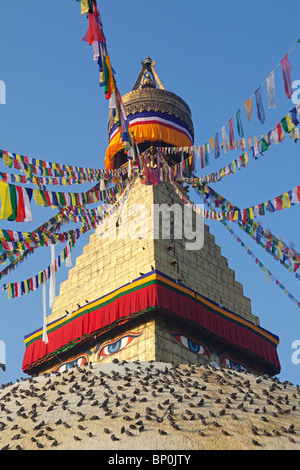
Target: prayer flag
260,107
27,195
239,124
6,208
217,147
21,207
271,91
231,135
225,140
248,106
13,201
286,71
84,6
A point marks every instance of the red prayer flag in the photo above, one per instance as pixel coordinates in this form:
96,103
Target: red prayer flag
231,136
280,132
286,71
21,207
202,157
94,33
278,203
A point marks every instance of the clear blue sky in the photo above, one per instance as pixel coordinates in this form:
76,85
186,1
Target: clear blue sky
214,55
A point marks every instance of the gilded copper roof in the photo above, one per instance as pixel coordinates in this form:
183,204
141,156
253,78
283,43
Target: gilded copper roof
149,94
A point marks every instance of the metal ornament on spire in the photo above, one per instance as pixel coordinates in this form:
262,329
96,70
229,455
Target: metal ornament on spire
148,76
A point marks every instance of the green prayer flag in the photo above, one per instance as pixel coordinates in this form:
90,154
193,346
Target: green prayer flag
206,155
285,124
264,145
14,203
239,124
261,209
61,198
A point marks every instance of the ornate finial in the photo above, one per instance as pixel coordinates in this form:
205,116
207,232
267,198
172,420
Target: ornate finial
148,75
148,60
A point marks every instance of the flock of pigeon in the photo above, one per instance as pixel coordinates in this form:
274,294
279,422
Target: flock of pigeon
149,406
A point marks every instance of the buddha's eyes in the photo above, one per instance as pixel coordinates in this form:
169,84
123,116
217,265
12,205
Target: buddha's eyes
112,347
191,345
233,365
77,362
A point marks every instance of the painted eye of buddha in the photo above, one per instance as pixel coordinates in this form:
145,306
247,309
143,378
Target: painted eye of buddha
229,363
77,362
191,345
112,347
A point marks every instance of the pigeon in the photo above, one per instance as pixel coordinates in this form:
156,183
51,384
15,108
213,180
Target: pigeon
256,443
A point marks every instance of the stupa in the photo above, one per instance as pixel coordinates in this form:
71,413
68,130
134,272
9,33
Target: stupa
140,297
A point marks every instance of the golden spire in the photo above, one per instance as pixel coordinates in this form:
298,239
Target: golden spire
148,76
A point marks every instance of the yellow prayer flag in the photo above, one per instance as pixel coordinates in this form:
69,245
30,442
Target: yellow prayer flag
7,160
26,237
280,245
73,197
248,106
84,6
35,181
110,75
251,214
236,215
289,122
268,277
211,141
18,157
38,197
6,207
286,203
9,290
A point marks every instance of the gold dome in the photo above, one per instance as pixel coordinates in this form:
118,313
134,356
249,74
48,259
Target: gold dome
150,101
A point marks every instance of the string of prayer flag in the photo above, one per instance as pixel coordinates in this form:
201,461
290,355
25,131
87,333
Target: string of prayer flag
274,245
